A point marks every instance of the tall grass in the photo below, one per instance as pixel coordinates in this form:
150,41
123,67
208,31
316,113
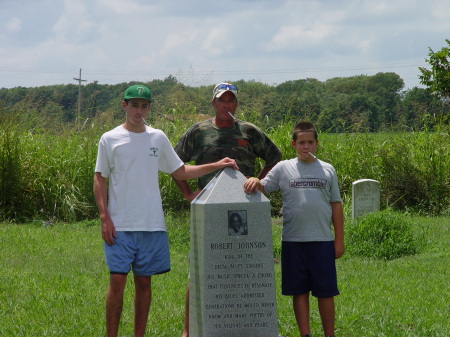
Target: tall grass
49,176
416,171
46,176
11,172
354,156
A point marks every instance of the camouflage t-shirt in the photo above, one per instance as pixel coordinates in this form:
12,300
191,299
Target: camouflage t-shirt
205,143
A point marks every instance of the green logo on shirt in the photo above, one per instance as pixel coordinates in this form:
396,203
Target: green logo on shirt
153,152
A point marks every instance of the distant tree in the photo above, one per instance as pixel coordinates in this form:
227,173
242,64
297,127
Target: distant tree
158,87
416,104
361,103
353,104
298,100
12,96
438,78
330,121
385,89
253,97
68,101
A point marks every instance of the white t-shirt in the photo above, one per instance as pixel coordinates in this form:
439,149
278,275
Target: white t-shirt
307,190
131,161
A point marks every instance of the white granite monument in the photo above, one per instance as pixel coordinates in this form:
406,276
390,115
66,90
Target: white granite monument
231,262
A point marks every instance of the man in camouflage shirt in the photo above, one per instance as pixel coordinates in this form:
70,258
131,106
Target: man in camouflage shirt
220,137
225,136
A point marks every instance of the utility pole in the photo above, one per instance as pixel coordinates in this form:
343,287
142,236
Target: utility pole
79,97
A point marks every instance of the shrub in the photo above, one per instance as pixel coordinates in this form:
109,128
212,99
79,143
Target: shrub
384,235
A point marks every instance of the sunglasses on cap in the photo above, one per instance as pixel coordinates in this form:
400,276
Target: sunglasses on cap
224,86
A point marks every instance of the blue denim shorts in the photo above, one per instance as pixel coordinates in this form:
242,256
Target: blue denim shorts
308,267
146,253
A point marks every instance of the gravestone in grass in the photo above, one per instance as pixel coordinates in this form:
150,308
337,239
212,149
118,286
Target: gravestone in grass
231,262
365,197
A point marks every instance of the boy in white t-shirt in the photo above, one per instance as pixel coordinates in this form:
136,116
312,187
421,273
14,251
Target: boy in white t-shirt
311,203
130,206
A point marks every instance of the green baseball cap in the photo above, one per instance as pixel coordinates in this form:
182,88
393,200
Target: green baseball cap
138,91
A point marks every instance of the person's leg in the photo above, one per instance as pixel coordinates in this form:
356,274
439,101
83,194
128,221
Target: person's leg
114,302
301,312
186,314
142,300
152,258
327,314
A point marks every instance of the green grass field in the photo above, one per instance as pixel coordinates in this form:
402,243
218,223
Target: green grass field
53,281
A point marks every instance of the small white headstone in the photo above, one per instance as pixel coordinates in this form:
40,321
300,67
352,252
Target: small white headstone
365,197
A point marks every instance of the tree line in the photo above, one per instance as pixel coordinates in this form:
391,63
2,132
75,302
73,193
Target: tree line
343,104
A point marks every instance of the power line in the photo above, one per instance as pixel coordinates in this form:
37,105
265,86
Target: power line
79,95
114,76
254,71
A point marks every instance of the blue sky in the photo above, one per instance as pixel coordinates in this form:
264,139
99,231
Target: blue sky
44,42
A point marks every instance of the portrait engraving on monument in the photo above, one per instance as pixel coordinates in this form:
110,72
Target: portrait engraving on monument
237,222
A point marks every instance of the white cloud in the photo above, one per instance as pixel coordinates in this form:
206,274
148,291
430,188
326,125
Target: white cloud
271,41
217,42
298,37
75,24
13,25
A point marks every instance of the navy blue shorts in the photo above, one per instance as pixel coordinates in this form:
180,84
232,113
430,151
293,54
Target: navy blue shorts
308,267
147,253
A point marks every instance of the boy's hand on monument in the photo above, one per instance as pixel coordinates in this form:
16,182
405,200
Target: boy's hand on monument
252,185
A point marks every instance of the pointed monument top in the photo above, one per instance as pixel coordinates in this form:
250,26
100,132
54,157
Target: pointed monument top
228,187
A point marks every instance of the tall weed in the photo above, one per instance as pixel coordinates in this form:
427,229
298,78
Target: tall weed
354,156
11,171
46,177
416,172
49,176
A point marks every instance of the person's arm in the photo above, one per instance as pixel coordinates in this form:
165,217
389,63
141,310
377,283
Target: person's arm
337,216
186,172
101,198
265,170
252,185
269,152
186,189
191,195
